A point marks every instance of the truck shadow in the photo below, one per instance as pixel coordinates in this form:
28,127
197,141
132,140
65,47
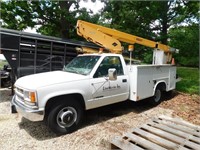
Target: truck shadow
37,130
111,111
40,131
101,114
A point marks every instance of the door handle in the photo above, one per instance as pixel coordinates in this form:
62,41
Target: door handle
124,80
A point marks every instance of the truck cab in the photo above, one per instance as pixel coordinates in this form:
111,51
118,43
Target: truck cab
109,81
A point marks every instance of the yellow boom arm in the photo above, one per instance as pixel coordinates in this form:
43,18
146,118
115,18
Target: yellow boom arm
110,38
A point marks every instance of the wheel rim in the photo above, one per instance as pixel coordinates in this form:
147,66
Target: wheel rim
157,96
66,117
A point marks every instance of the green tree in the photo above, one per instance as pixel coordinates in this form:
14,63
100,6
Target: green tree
186,38
149,19
55,18
173,13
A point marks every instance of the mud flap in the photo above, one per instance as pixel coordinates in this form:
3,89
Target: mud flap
13,109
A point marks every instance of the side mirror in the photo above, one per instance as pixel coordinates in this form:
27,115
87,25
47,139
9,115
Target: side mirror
112,74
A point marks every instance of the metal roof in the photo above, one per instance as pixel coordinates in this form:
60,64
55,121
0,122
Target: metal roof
46,38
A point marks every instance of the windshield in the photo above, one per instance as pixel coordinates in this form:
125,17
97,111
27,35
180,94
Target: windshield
82,64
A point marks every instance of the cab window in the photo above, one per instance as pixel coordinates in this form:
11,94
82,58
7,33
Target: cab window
107,63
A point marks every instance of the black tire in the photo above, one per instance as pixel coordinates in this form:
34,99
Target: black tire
157,98
6,83
65,117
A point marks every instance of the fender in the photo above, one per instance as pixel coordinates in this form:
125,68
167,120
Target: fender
51,95
157,83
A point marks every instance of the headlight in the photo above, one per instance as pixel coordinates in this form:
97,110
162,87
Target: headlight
26,97
30,97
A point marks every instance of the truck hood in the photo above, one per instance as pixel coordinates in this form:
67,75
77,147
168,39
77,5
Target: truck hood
33,82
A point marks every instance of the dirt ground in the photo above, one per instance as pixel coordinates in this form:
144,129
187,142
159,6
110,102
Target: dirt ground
99,127
184,106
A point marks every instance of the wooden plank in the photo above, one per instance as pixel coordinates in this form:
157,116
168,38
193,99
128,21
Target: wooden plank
191,144
169,129
178,127
195,139
182,148
181,122
156,139
120,143
164,134
161,133
171,137
143,142
175,131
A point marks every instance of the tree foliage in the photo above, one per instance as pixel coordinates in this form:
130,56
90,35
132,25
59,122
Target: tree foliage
150,19
186,38
55,18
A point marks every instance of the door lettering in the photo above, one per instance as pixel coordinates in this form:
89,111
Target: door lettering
111,87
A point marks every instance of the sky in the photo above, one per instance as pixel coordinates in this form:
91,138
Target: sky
2,57
95,7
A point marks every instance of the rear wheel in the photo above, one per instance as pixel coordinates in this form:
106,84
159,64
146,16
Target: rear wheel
157,98
65,117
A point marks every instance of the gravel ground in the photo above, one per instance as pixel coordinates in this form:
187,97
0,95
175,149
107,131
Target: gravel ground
99,127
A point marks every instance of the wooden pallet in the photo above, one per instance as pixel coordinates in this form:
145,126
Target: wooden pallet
161,133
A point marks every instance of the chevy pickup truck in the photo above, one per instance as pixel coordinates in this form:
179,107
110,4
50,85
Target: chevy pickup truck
60,98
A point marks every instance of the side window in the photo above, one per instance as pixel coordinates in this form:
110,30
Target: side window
107,63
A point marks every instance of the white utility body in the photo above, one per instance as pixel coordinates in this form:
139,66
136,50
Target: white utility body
145,78
88,81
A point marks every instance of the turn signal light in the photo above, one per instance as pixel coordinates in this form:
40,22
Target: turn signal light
32,97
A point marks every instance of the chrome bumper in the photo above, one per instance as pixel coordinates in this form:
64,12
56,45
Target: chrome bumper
30,114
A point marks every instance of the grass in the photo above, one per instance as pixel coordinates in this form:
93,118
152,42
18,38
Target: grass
2,63
190,80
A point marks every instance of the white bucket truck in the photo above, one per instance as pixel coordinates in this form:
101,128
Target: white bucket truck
89,81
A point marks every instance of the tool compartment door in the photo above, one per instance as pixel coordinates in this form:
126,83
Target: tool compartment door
141,82
172,78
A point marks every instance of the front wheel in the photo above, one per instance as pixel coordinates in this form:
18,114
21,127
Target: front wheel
65,117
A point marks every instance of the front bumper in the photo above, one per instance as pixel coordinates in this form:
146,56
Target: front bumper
30,114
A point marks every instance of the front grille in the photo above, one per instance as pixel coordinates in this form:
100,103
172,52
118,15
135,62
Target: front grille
20,94
20,98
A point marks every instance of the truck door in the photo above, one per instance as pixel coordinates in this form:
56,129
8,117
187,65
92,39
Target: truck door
103,90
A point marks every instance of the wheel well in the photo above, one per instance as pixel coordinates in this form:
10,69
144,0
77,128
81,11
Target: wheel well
161,86
58,99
